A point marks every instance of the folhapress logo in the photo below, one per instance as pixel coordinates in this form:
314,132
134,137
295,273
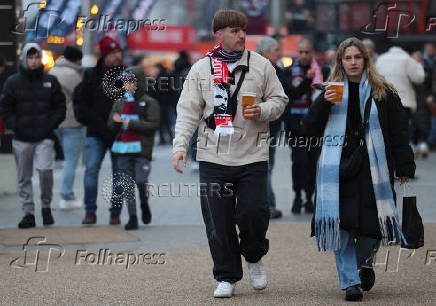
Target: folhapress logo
38,254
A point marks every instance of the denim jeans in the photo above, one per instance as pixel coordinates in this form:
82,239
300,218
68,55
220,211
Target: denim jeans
193,146
354,253
138,169
72,140
96,150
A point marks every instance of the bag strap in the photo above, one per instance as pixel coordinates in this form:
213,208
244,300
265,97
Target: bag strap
365,122
366,114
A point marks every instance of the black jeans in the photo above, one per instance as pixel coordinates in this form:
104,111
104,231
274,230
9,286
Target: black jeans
304,163
304,156
234,195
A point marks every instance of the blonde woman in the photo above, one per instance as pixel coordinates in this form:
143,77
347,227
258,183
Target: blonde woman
355,200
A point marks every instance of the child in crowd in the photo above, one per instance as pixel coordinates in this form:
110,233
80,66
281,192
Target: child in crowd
135,118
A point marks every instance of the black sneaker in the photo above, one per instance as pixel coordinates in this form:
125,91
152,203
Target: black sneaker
114,219
274,213
309,206
90,218
132,224
367,278
28,221
353,293
47,218
296,205
146,213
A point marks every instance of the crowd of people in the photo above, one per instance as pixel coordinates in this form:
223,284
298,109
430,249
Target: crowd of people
386,98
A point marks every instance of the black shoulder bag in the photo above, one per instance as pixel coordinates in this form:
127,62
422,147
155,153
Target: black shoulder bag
349,166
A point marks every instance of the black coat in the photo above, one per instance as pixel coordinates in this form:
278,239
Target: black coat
94,105
285,79
292,122
399,156
32,104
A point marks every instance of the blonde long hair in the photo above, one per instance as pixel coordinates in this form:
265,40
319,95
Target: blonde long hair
378,83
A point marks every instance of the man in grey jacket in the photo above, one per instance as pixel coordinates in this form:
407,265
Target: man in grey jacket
232,148
70,133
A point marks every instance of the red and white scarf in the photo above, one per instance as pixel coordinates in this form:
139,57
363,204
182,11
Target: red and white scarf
223,119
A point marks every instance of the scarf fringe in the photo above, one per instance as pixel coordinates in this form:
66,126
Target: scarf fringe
391,231
327,234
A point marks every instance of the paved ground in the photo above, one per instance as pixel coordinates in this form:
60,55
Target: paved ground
298,274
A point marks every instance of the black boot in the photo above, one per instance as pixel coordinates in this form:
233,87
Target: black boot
90,218
296,205
353,293
47,218
274,213
146,213
309,206
367,278
132,224
28,221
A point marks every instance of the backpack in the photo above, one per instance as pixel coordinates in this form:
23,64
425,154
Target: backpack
77,100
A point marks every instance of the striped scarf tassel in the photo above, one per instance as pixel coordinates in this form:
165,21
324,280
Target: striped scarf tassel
327,234
391,231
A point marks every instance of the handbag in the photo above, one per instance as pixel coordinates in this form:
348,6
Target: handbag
412,226
350,165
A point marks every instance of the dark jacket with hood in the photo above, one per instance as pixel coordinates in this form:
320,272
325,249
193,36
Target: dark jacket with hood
149,113
94,105
32,104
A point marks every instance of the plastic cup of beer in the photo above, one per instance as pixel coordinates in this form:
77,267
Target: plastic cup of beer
247,100
339,88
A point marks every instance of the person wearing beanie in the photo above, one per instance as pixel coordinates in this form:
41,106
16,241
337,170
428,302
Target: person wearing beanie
33,105
71,133
135,119
94,108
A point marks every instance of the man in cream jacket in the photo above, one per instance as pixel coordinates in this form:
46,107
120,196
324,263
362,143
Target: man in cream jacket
233,155
401,70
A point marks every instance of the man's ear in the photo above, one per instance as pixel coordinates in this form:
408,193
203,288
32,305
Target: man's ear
218,35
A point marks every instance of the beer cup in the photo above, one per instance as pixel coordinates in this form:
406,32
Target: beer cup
339,88
247,100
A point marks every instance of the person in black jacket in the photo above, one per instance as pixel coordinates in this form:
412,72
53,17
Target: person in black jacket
304,158
33,105
95,108
269,48
366,216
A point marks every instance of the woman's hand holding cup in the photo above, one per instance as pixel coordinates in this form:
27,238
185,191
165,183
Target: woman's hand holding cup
333,92
330,94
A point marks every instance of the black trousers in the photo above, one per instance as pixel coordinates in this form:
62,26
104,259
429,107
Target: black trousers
304,156
304,163
234,195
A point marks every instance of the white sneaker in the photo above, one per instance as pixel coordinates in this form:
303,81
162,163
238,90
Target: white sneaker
224,290
70,204
257,274
423,149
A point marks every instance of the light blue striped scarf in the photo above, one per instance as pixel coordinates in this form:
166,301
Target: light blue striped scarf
327,195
